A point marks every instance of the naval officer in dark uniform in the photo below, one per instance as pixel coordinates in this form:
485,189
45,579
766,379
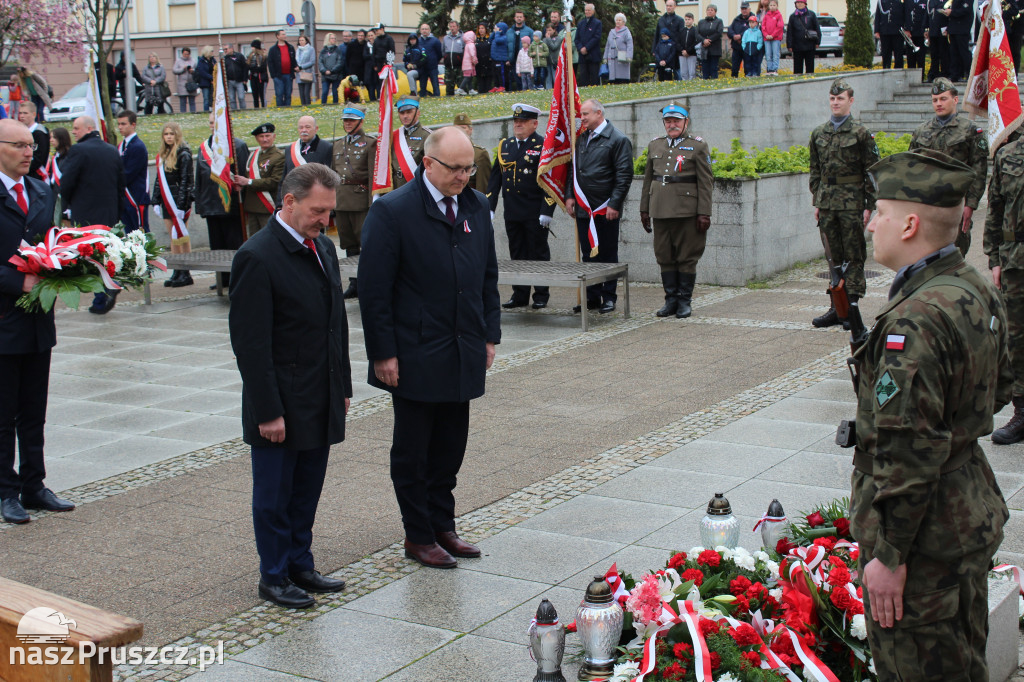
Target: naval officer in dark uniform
528,209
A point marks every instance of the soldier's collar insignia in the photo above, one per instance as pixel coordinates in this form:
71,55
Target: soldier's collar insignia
885,388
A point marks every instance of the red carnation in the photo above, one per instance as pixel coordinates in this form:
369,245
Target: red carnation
841,598
828,542
784,546
839,576
85,249
100,248
836,561
739,584
693,574
842,525
709,627
854,554
744,634
860,591
674,671
110,268
709,557
677,560
742,604
816,519
856,608
716,660
683,651
752,657
571,627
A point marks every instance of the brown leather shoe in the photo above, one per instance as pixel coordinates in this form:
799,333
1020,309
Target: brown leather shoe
456,546
431,556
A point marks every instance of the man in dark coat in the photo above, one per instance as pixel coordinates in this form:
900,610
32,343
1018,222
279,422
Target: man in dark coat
26,212
224,224
92,180
890,19
961,19
938,40
289,333
588,43
354,65
135,160
428,295
283,67
309,148
735,31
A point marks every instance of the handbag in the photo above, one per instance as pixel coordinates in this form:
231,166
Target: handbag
305,76
622,58
811,35
165,90
190,84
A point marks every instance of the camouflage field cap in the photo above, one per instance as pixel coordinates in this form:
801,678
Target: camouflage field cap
941,85
839,86
462,119
924,177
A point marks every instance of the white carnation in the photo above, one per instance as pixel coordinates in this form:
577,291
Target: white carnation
746,562
726,677
139,255
772,567
725,552
625,672
694,552
858,628
760,555
115,258
776,594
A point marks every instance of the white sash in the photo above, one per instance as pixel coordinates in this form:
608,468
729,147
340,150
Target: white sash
254,174
171,211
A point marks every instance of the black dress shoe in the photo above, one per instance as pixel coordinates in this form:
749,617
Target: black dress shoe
513,303
312,581
105,306
537,305
591,305
352,291
13,512
46,500
287,595
607,307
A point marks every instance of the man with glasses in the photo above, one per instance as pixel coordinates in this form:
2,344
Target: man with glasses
428,296
407,145
26,339
528,209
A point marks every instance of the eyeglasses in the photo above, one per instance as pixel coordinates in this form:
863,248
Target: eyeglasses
467,170
22,146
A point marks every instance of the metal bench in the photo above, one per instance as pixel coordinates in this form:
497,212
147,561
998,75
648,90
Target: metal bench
543,273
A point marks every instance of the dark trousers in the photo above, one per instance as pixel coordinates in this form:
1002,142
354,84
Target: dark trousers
452,70
891,45
527,240
915,58
329,86
134,218
737,58
286,487
589,73
426,455
431,76
803,60
607,252
940,58
709,68
23,414
1015,38
259,93
282,90
959,57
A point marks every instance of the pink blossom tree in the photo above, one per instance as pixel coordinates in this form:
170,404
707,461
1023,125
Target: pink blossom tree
39,31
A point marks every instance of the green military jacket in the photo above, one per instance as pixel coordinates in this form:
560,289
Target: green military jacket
416,138
1004,226
677,178
932,373
265,189
483,168
961,140
353,157
839,166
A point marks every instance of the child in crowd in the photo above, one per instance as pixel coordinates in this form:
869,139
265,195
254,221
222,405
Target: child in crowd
469,62
14,95
524,65
773,27
666,56
753,48
539,54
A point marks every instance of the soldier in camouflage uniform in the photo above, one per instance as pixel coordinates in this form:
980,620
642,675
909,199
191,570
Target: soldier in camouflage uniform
956,136
481,159
842,150
353,157
415,137
677,194
925,505
1004,246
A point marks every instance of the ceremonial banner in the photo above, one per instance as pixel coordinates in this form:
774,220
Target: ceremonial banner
992,88
556,155
94,103
382,163
219,153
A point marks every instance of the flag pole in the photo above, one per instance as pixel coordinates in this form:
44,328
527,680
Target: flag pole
570,84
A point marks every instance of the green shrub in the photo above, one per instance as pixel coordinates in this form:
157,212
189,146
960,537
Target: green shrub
858,41
889,144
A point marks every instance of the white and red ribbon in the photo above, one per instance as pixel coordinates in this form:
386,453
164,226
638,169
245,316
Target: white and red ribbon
53,172
382,161
178,217
54,251
581,201
768,519
403,154
254,173
1015,571
296,153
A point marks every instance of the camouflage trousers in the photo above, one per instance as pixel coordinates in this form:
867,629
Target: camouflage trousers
844,234
1013,296
944,629
678,244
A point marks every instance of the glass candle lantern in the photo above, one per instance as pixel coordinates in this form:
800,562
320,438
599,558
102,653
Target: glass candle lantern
719,527
599,625
547,641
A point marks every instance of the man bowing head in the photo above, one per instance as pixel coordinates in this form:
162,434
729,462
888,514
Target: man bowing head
428,295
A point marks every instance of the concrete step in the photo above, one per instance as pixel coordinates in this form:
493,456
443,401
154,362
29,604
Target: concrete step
908,117
905,106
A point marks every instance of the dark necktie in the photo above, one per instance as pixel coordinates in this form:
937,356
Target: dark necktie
311,245
449,209
23,204
124,145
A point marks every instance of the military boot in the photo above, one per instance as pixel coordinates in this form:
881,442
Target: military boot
829,319
352,291
1013,431
686,282
669,280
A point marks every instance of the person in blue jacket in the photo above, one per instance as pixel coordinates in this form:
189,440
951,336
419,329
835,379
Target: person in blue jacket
431,47
514,41
500,54
588,43
753,47
666,55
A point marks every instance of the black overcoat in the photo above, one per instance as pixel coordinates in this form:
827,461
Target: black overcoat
92,182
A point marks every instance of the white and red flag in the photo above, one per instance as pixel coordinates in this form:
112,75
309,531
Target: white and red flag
93,101
218,151
992,88
556,155
382,163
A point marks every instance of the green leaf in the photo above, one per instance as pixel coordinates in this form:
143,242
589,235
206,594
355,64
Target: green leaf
71,297
47,297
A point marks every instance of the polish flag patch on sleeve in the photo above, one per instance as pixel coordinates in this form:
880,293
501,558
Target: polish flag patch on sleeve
895,342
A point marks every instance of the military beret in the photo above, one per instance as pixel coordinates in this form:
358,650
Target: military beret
924,176
674,110
354,111
408,101
263,128
941,85
462,119
525,111
839,86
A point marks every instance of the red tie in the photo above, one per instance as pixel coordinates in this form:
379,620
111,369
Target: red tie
19,190
449,212
312,247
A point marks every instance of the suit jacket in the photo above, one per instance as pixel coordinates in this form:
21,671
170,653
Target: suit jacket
890,17
135,159
289,332
208,202
92,184
320,151
20,331
588,35
42,153
961,18
514,178
428,292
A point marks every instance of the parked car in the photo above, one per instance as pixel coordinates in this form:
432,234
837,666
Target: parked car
832,33
71,105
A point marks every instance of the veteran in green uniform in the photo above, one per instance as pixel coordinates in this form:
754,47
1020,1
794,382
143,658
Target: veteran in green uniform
266,168
842,150
925,505
677,195
353,157
414,134
956,136
1004,246
481,159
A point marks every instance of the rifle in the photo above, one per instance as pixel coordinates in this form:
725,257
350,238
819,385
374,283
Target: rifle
849,312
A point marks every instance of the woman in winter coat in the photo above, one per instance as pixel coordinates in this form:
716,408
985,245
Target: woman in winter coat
483,59
184,68
332,68
774,29
259,76
618,51
500,56
204,76
709,32
554,43
469,62
154,75
305,59
174,180
35,88
803,35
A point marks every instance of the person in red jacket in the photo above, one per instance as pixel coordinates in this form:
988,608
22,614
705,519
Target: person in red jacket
773,26
283,67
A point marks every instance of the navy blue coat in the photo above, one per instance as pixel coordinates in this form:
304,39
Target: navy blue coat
136,171
22,332
289,332
428,293
435,53
588,35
